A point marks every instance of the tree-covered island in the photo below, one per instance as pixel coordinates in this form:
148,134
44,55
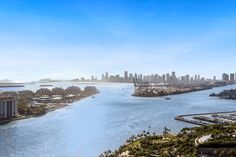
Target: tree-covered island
43,100
226,94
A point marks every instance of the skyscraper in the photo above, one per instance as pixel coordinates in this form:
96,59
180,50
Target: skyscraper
187,80
107,75
195,78
167,78
8,107
126,76
140,77
231,78
164,79
235,77
173,74
225,77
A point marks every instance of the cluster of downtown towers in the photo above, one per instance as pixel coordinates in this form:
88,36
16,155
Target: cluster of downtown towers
156,78
229,78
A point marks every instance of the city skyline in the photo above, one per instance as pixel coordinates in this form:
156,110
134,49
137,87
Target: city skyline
168,77
117,78
130,75
69,39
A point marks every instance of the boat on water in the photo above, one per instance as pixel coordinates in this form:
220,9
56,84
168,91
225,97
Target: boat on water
93,97
168,98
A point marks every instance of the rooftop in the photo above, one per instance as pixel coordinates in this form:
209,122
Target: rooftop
5,97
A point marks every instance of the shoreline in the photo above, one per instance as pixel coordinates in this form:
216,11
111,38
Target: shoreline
8,85
11,86
62,105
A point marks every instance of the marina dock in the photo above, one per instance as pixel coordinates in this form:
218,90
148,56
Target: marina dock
208,118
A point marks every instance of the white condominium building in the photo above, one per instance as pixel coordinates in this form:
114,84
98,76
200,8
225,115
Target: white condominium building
8,107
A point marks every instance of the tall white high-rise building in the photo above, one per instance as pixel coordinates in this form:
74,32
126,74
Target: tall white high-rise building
8,107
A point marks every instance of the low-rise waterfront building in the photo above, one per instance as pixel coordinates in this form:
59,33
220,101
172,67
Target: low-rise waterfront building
44,99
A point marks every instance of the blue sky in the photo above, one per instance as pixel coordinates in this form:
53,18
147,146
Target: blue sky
63,39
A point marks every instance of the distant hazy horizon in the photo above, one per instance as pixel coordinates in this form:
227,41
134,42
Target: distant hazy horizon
69,39
99,77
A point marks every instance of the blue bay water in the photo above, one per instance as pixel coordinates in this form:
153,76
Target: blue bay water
91,126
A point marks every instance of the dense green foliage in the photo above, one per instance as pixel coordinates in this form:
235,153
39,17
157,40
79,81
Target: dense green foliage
226,94
25,98
73,90
24,109
58,91
182,144
42,91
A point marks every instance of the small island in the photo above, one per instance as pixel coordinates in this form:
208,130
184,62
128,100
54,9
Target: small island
226,94
30,104
152,90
